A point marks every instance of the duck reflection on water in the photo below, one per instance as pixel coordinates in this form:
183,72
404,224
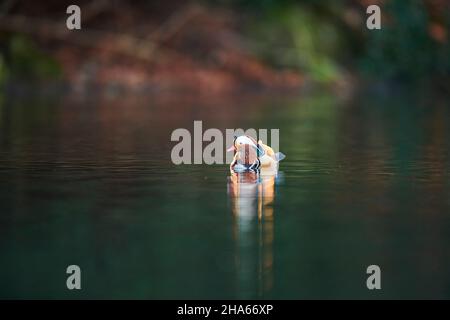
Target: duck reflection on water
251,189
252,197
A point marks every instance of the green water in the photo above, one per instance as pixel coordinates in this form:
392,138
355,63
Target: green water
90,182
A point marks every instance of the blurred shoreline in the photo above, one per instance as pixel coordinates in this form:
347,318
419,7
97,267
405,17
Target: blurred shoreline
211,48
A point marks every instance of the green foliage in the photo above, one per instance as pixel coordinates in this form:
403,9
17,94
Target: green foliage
3,70
404,48
27,60
313,37
21,59
297,37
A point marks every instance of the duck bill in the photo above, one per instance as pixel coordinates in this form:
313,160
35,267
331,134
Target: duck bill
232,148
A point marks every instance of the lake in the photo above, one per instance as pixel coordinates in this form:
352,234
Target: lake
90,182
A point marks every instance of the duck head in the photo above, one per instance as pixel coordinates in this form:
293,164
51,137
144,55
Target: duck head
244,142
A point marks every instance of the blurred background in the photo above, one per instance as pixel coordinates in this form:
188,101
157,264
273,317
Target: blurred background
86,176
223,46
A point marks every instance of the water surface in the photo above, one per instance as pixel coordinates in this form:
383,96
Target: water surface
90,182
